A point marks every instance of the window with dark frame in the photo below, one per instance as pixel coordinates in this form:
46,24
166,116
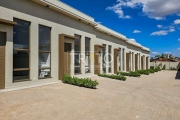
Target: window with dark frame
119,54
109,58
77,52
104,59
21,50
44,52
87,55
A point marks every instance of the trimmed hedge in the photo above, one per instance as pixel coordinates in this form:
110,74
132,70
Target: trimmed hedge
131,74
117,77
151,71
145,72
82,82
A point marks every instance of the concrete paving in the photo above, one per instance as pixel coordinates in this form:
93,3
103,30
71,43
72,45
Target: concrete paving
153,97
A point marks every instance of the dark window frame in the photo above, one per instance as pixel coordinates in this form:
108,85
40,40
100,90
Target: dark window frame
88,54
79,52
22,50
45,51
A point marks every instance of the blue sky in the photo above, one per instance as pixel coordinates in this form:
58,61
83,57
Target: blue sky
153,23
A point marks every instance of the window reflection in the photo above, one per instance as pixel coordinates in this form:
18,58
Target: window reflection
87,55
21,34
44,51
77,48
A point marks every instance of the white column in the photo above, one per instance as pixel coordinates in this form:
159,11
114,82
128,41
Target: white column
124,64
107,71
82,54
100,60
144,60
121,62
139,61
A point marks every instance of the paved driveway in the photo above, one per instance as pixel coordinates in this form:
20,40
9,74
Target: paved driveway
152,97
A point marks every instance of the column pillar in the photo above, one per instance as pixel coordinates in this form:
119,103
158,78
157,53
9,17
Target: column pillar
140,61
124,54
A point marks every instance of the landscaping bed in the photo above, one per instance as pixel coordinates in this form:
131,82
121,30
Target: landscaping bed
138,73
81,82
117,77
131,74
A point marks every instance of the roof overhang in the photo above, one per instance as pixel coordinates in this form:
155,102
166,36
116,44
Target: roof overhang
7,22
67,10
110,32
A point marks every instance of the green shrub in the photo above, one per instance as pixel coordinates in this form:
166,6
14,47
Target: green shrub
151,70
145,72
117,77
82,82
131,74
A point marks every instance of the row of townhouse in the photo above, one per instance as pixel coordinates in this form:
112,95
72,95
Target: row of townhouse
40,40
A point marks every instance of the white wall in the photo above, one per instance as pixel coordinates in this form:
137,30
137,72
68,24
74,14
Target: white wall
167,64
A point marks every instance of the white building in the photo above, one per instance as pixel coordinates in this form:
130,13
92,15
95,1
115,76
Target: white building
40,40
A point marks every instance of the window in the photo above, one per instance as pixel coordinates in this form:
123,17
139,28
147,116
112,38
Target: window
77,52
21,50
109,58
104,59
87,55
119,59
132,61
44,52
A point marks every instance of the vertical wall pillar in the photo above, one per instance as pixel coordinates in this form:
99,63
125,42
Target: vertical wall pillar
144,58
124,64
121,59
82,55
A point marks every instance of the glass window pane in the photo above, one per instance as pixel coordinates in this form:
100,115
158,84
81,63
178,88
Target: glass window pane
77,49
87,55
44,73
104,59
44,38
109,56
44,60
21,34
20,59
20,75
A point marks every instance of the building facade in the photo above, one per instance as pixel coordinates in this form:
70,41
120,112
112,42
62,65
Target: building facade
40,40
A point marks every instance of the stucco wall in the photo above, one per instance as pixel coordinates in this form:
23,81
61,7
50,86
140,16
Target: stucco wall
167,64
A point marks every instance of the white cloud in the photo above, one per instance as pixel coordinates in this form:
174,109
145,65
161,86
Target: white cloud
155,53
171,30
132,39
136,31
167,52
177,21
162,32
178,48
179,39
118,11
160,26
157,9
178,14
